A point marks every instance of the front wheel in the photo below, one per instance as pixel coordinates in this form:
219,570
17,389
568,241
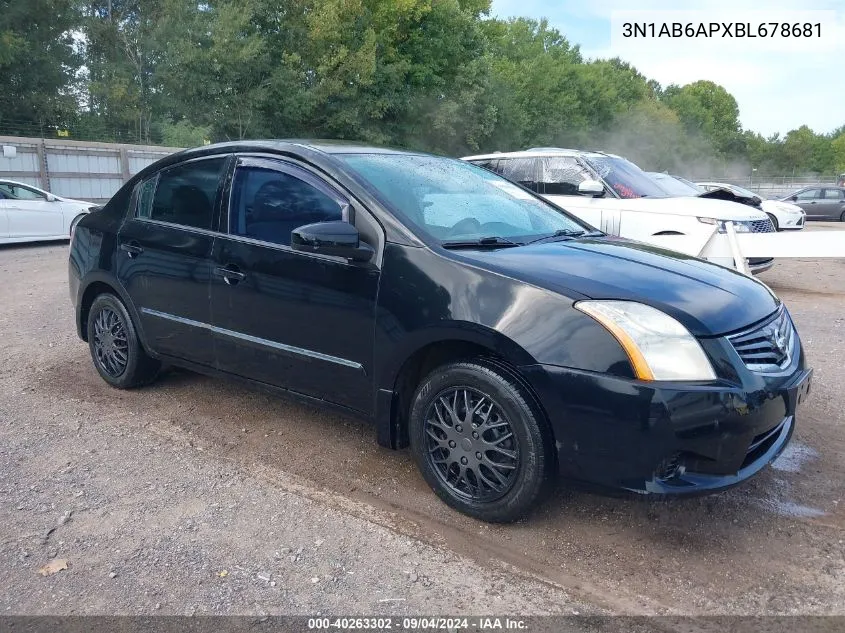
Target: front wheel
774,221
842,217
116,350
479,443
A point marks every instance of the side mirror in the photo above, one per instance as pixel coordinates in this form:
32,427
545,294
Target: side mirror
591,188
337,238
794,198
51,197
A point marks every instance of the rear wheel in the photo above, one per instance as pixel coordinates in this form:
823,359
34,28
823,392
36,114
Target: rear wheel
115,347
842,217
479,443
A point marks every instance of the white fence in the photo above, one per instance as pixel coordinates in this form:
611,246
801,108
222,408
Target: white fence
75,169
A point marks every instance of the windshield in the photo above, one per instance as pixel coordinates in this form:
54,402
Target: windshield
451,200
674,186
625,178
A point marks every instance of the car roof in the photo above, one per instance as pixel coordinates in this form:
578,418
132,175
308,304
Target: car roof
9,181
542,152
325,146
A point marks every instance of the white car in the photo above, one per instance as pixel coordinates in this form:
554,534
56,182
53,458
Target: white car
614,195
29,214
784,215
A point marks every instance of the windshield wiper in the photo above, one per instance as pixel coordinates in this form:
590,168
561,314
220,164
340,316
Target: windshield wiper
561,233
493,241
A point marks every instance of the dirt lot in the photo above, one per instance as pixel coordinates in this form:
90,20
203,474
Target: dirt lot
199,496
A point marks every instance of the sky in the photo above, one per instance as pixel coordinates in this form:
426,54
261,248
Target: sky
779,84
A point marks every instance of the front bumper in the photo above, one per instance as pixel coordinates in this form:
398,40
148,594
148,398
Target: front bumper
759,265
792,223
668,438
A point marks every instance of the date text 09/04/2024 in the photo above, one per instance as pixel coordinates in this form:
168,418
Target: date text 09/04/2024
721,29
385,623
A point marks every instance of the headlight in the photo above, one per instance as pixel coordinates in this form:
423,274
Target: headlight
740,226
658,347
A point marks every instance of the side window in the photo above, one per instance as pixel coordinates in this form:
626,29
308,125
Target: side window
268,204
832,194
521,170
144,206
185,194
809,194
21,193
560,176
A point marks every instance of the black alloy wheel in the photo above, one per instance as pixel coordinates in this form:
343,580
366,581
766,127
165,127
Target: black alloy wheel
110,345
470,444
116,349
480,440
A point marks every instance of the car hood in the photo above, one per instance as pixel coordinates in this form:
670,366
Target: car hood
707,299
692,206
778,205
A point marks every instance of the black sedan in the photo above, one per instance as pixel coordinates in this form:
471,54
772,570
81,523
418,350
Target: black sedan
503,339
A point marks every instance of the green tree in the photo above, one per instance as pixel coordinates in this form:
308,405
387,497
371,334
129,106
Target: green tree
708,109
38,63
838,147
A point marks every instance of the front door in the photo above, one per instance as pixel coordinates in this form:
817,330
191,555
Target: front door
164,257
809,200
29,214
295,320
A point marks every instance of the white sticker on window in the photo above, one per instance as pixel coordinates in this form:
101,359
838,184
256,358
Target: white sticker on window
512,190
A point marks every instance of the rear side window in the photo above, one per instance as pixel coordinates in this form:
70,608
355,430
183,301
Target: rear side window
268,205
183,195
521,170
832,194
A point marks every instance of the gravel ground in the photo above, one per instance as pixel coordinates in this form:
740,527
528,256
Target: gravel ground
197,496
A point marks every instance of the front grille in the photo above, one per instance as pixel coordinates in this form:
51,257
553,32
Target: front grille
768,347
761,226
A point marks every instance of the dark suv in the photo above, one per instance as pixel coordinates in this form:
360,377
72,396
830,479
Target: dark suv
500,337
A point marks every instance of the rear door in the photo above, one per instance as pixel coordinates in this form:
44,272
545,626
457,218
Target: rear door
832,204
30,215
164,257
301,321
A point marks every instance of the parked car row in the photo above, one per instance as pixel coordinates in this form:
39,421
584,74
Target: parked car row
613,194
505,339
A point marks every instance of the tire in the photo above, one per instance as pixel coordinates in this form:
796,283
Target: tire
447,449
774,221
74,222
842,217
116,350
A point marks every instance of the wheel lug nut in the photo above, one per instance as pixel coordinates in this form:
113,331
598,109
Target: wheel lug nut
459,429
475,435
478,455
464,460
451,444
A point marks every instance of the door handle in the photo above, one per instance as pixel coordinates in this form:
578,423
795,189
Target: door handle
133,249
231,275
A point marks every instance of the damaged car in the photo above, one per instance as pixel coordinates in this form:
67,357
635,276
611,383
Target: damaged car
506,341
615,195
